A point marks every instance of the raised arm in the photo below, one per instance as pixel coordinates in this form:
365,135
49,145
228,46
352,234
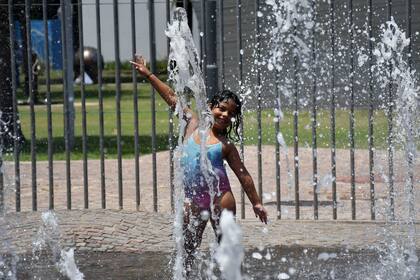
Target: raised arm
164,90
237,166
167,94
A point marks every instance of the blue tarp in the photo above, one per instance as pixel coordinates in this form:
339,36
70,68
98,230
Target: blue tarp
38,39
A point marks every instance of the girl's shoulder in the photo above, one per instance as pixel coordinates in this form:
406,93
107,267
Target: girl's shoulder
227,146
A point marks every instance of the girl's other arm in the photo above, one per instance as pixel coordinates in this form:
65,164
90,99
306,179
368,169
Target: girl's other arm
235,163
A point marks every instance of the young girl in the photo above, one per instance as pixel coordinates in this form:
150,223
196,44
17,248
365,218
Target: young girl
225,107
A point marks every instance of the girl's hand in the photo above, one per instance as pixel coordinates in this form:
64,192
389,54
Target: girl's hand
140,64
260,212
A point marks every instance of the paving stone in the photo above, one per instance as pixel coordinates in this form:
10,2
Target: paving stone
268,181
328,234
129,229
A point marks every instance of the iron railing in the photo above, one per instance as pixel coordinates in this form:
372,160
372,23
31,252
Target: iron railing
68,112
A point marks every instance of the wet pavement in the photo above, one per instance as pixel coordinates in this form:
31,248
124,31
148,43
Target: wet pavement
131,244
268,182
273,263
131,231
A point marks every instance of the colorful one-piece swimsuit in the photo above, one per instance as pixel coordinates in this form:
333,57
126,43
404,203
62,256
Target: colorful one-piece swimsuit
195,185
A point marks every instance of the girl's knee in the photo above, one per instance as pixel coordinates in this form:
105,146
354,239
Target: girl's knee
227,201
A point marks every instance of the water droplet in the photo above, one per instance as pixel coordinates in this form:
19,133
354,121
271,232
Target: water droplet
326,256
267,196
257,256
205,215
283,276
292,270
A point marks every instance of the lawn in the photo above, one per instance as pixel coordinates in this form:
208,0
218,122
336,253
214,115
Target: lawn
145,121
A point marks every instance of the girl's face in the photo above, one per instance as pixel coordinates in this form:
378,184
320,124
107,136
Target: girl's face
224,113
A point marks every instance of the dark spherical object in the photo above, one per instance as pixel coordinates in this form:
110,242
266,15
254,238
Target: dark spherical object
90,59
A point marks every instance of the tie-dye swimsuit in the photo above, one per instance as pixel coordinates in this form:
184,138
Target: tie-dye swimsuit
195,184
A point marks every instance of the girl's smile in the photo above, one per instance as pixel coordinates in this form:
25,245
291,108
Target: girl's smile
223,113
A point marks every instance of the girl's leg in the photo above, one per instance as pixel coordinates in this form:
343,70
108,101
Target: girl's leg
193,228
225,201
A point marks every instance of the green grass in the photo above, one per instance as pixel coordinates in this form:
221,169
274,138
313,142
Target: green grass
93,128
145,121
323,128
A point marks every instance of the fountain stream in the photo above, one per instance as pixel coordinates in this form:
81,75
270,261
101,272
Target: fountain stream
49,238
187,79
392,68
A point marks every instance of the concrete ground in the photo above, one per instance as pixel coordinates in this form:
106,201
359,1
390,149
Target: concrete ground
128,231
145,222
132,231
268,182
120,244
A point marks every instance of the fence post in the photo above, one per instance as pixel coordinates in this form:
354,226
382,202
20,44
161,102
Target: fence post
100,104
332,110
118,100
314,116
49,112
221,36
390,136
211,49
31,104
152,45
351,115
241,80
17,133
370,116
1,177
68,75
171,116
135,106
67,54
258,90
5,94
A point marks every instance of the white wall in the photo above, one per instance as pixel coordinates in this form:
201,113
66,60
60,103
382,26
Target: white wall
107,28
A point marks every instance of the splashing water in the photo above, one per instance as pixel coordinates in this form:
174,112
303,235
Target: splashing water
187,79
67,265
230,252
49,237
325,182
280,139
290,36
401,259
7,263
291,33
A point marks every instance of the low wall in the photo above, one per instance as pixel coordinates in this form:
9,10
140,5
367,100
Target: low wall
130,231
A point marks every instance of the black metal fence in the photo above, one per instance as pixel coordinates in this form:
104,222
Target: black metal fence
71,15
